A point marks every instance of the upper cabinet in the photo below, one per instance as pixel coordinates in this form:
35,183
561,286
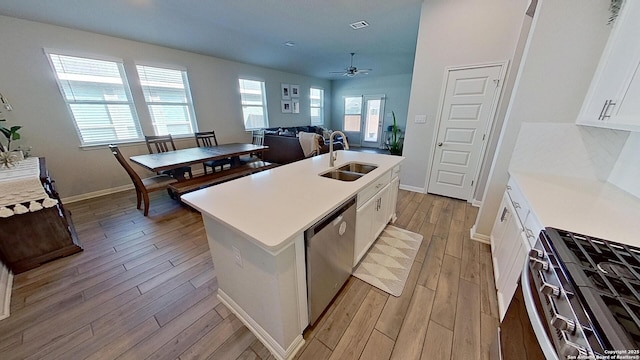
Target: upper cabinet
613,99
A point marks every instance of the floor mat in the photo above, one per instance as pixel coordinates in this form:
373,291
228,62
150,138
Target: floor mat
387,263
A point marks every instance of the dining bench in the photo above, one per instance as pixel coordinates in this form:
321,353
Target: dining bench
200,182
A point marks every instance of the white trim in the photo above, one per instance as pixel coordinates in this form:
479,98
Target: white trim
476,203
5,291
486,239
504,65
95,194
301,283
269,342
412,188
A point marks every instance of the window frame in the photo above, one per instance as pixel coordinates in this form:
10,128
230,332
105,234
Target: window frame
263,90
321,107
68,103
187,89
345,114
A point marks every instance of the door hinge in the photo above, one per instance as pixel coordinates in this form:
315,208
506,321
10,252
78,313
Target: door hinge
496,81
484,136
472,182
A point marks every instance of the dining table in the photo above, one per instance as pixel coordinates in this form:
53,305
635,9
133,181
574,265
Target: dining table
196,155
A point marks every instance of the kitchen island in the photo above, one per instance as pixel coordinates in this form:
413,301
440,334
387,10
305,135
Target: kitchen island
255,229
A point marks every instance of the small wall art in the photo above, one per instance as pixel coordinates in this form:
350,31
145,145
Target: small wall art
295,106
295,91
285,91
286,106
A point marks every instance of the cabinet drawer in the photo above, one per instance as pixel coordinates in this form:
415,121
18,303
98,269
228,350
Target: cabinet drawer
517,199
372,189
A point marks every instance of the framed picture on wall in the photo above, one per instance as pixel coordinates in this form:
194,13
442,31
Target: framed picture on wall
295,91
295,106
286,95
286,106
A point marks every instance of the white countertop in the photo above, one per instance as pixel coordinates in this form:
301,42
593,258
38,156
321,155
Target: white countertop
587,207
273,206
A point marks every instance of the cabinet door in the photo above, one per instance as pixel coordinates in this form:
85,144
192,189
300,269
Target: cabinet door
613,100
381,216
500,224
364,228
393,199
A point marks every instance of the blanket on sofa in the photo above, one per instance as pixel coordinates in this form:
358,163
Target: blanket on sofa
310,143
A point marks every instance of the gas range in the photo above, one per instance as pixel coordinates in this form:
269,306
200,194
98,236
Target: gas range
590,294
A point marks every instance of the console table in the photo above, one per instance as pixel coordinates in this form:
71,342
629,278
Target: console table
42,234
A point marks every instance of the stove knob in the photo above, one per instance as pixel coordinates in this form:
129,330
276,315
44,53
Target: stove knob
572,351
562,323
549,289
536,253
538,264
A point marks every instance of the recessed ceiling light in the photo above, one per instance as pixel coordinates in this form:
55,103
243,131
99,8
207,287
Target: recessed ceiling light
289,44
359,25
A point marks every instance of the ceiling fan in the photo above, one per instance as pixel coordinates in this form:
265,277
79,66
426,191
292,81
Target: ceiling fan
352,71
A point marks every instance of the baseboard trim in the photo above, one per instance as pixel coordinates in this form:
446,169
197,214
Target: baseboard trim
267,340
6,284
412,188
486,239
95,194
476,203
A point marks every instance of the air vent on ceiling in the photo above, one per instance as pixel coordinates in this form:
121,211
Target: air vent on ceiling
359,25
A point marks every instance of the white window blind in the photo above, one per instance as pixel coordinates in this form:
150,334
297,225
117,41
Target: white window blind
254,104
98,97
166,92
317,106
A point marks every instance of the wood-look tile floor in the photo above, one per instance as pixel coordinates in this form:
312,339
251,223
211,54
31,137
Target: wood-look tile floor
145,287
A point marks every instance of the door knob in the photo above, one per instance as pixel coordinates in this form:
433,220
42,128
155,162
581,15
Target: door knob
439,144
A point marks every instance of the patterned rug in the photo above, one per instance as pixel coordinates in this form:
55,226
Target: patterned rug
387,263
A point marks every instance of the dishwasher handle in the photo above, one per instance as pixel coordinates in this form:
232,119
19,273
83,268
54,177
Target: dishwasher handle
335,214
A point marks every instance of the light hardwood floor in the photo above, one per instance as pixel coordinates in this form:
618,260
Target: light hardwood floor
145,287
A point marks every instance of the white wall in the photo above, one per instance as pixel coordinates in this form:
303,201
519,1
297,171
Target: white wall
396,88
452,33
563,50
26,79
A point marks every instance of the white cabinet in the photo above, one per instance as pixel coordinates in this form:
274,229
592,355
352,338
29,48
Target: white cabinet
613,99
376,205
514,231
393,199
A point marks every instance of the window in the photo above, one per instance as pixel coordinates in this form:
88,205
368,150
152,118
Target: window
317,106
98,97
254,104
352,113
166,92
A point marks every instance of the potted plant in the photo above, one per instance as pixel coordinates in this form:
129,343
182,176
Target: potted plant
395,143
11,134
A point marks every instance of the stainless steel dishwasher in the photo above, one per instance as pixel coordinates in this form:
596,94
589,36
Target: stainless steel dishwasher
329,252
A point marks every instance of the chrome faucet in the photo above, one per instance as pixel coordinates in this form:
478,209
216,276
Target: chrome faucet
332,156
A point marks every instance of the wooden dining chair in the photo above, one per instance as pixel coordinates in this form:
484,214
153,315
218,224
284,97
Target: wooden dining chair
208,139
163,143
257,138
143,186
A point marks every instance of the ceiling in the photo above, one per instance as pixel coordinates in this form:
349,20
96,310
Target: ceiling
252,31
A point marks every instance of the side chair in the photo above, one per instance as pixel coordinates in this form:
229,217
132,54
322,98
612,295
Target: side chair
208,139
164,143
143,186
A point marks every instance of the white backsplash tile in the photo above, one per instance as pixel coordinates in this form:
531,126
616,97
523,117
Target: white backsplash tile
568,150
626,172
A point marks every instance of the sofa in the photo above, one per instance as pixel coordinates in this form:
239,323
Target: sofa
284,145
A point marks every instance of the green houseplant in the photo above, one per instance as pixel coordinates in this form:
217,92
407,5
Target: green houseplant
11,133
395,143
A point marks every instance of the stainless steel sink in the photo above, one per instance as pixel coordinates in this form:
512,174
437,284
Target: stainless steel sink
359,168
341,175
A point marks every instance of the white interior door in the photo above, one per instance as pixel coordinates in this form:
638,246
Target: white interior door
470,96
372,121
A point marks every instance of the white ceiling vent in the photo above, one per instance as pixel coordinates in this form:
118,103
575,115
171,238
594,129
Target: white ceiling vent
359,25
